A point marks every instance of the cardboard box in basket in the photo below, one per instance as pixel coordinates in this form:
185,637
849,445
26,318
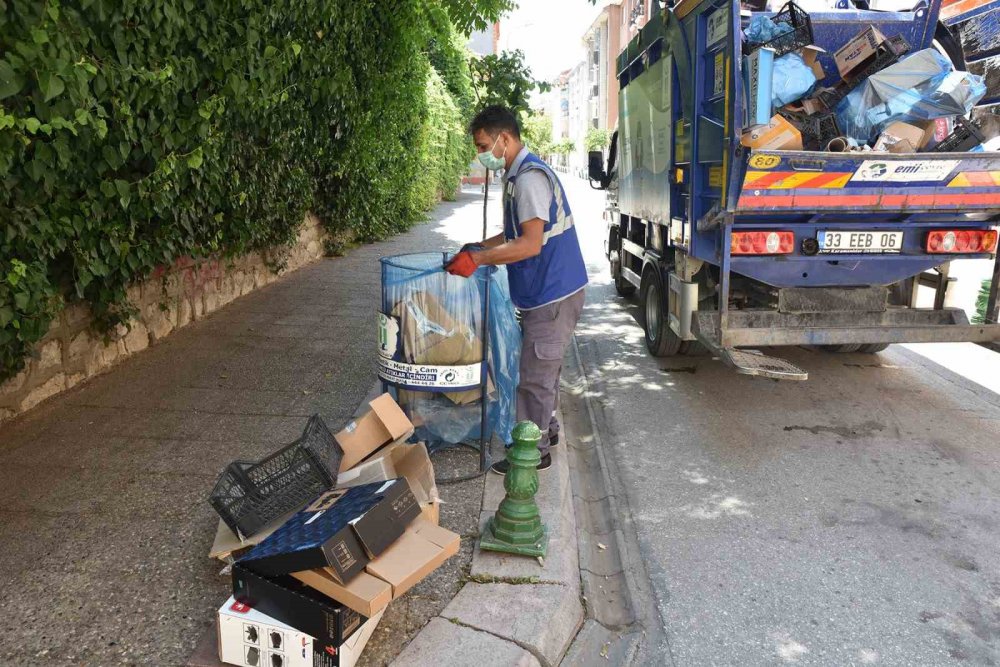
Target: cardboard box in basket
422,548
249,638
430,335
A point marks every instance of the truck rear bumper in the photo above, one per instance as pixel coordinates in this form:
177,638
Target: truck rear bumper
762,328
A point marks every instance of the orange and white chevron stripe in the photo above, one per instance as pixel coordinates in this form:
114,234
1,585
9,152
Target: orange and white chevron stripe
787,180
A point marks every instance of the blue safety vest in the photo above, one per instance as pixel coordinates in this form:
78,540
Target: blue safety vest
558,271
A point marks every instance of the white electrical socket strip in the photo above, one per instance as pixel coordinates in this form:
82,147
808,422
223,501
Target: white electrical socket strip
249,638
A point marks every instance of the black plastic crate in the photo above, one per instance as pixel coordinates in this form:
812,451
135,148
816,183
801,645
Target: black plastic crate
817,130
799,36
966,136
249,496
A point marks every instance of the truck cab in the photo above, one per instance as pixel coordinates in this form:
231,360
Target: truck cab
738,249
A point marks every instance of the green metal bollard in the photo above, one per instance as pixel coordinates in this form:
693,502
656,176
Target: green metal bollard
517,528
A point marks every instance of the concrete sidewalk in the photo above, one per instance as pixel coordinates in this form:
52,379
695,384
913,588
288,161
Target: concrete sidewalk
104,523
513,610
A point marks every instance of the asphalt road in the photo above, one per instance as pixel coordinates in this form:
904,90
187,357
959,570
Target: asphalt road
848,520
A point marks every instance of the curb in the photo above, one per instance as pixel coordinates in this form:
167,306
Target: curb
513,610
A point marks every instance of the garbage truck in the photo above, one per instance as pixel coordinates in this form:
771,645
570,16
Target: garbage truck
738,248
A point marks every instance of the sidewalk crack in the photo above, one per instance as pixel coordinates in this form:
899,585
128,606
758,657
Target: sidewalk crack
530,649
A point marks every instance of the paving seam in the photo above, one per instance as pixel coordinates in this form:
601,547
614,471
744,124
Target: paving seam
538,656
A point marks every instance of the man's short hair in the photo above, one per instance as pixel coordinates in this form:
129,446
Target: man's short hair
494,120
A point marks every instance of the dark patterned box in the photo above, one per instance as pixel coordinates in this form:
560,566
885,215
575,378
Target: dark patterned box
341,530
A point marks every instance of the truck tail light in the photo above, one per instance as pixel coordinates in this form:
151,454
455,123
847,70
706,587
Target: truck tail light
763,243
961,241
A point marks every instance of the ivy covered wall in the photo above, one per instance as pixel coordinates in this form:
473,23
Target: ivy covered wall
134,133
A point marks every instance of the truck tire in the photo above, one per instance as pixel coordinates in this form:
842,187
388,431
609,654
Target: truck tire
622,287
872,348
845,348
660,339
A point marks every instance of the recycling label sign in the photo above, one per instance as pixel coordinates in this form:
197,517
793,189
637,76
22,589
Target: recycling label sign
393,370
427,376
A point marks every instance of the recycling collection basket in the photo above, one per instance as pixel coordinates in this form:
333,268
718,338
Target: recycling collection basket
440,353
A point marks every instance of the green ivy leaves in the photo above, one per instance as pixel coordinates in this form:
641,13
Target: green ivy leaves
133,133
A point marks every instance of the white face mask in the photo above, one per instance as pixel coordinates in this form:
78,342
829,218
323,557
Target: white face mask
491,161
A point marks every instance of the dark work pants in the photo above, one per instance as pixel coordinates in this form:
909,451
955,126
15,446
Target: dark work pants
546,332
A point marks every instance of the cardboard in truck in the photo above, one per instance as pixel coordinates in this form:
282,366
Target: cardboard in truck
384,422
858,51
759,70
778,134
899,137
810,56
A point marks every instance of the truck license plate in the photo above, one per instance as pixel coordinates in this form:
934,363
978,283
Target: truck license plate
852,242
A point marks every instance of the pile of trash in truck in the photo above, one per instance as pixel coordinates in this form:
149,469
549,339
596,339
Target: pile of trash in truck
885,97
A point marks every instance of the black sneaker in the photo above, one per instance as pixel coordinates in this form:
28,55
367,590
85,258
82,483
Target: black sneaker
553,440
501,467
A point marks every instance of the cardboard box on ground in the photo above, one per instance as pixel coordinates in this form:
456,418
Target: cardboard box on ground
250,638
431,335
398,459
361,545
421,550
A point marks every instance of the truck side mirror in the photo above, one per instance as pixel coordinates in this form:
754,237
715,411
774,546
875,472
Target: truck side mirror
595,166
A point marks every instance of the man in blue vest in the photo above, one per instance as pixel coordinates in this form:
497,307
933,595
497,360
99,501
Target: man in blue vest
544,266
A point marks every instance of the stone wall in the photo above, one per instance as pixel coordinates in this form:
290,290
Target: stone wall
171,298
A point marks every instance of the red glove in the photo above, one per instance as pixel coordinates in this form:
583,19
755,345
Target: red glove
463,264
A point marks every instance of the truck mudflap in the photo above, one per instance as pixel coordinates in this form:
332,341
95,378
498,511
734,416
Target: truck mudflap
786,181
762,328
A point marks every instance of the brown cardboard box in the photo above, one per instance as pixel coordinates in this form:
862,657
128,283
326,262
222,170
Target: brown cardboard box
424,322
420,551
430,335
397,460
809,106
777,135
365,594
400,460
385,422
227,542
810,56
858,51
899,137
431,512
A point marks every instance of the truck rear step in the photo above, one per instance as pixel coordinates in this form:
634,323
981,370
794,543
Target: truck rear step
752,362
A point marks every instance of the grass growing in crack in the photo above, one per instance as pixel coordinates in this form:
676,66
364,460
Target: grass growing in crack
517,581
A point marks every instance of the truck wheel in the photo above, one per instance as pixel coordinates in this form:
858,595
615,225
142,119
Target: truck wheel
840,349
661,341
872,348
623,287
